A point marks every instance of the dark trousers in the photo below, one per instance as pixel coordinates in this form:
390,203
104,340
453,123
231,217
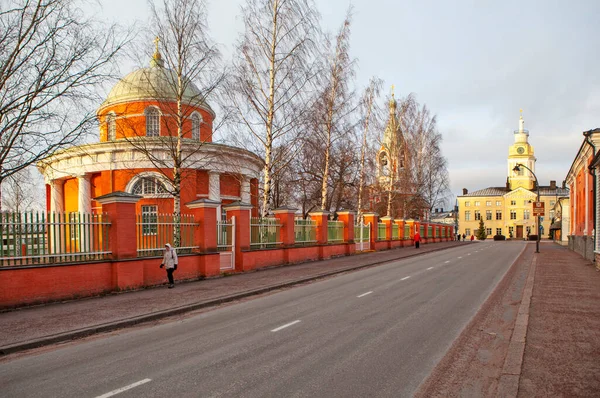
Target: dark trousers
417,244
170,275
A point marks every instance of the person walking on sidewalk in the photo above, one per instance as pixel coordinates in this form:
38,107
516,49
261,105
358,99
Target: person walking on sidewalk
169,261
417,239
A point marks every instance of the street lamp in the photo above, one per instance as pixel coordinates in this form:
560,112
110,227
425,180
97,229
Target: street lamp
516,169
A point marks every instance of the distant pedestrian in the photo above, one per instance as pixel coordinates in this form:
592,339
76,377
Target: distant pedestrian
170,263
417,239
464,237
472,238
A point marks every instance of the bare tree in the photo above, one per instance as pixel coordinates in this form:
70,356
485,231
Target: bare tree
189,73
51,61
368,106
270,80
19,193
334,101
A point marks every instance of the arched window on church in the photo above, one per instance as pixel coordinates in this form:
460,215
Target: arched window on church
148,186
384,164
111,127
152,122
196,121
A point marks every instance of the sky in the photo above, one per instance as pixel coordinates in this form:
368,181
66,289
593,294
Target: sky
473,63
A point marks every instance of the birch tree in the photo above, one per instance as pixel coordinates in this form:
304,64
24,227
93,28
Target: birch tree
333,104
272,72
368,108
52,59
189,65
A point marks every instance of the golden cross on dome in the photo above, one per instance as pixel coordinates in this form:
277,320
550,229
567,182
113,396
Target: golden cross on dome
156,40
392,90
521,110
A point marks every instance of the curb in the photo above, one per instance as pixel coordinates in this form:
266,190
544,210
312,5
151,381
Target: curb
508,385
120,324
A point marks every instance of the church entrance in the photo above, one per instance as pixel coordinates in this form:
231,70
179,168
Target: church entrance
519,232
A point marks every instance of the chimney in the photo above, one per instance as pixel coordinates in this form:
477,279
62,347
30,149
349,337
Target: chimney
465,191
552,184
564,184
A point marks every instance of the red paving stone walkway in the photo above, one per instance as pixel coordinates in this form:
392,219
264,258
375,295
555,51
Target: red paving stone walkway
562,350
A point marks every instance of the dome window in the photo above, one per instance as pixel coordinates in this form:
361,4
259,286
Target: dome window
196,120
152,122
111,127
148,186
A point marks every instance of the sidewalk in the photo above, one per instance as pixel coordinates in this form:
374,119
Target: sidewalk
48,324
562,350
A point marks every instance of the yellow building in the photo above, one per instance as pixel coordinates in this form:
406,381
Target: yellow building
508,210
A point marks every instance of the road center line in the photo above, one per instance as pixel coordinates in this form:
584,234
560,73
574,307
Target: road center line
429,268
405,278
364,294
447,261
285,326
459,257
122,389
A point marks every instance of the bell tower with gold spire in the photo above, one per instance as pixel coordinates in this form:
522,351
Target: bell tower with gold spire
389,157
521,152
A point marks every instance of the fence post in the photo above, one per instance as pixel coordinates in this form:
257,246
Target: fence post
205,214
347,216
122,237
241,212
387,220
372,218
320,218
400,224
286,217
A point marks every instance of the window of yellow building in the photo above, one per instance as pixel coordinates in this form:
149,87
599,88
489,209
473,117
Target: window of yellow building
513,202
498,214
477,215
477,203
498,231
488,203
513,215
498,203
488,215
467,231
526,214
468,215
467,204
488,231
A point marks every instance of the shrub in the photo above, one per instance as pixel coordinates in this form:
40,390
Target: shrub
499,237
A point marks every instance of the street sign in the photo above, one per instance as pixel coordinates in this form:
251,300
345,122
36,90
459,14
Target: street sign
538,209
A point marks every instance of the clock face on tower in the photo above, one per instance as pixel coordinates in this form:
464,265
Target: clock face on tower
520,150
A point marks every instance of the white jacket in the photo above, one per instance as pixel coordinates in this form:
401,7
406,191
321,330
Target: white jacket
170,257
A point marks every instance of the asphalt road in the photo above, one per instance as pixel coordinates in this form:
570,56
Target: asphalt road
371,333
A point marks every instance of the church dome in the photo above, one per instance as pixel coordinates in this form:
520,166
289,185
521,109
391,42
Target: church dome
153,83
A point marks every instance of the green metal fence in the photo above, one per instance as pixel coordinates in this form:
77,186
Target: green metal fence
335,231
225,235
422,231
395,231
406,231
362,236
264,233
305,231
381,231
49,238
429,231
156,230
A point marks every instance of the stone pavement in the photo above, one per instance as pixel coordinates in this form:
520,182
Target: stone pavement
52,323
562,350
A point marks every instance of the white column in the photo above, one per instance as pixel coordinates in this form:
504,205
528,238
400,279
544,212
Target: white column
214,189
573,202
84,199
57,199
245,189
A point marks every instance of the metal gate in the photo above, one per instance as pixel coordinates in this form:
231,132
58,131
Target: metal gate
226,244
362,236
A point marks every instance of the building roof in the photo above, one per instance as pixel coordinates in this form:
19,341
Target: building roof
501,191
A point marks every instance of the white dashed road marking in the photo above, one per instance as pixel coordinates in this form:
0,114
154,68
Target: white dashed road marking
285,326
405,278
447,261
429,268
120,390
364,294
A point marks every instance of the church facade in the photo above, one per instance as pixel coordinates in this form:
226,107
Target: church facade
135,152
508,210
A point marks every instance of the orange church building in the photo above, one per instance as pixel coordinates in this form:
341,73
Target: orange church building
138,129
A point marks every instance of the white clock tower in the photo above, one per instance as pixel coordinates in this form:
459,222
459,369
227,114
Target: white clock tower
521,152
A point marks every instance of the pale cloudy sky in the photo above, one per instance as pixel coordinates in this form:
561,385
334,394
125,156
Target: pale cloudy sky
474,63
